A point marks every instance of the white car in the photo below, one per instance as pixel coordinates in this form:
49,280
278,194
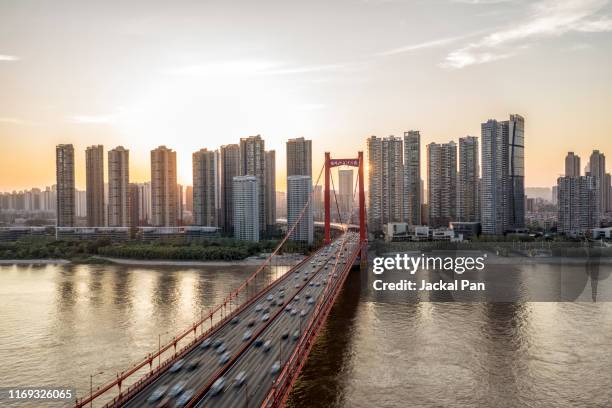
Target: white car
158,393
177,366
224,358
177,389
217,387
184,398
240,379
247,335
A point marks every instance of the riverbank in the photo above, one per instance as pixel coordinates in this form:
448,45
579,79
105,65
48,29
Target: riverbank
282,260
252,261
34,261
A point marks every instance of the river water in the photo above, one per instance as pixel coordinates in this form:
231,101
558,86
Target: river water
61,323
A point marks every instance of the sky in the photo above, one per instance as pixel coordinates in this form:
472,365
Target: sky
199,74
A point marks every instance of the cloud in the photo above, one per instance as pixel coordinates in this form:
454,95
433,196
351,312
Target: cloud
546,19
309,69
250,68
421,46
224,68
8,58
427,44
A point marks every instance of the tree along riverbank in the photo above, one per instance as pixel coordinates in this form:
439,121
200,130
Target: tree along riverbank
103,251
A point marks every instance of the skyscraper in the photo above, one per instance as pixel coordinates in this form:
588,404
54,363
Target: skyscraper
299,157
375,182
493,183
503,186
65,194
118,187
572,165
253,163
299,190
345,192
442,183
246,208
134,205
189,198
469,173
230,168
392,179
270,192
597,169
80,209
608,184
299,163
516,172
145,211
385,176
180,203
281,204
204,179
94,170
164,188
412,177
578,204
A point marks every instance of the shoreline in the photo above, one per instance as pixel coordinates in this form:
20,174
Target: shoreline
492,260
173,262
147,262
34,262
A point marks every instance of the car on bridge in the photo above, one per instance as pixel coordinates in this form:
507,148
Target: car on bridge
176,367
184,398
217,387
158,393
240,379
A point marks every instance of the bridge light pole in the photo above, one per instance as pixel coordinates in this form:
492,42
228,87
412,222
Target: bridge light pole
91,376
159,348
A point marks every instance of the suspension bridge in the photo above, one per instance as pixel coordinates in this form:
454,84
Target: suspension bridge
248,351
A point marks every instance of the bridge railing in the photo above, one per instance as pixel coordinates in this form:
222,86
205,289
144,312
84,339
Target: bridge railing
283,384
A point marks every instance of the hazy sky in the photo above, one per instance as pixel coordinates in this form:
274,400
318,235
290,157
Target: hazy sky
193,74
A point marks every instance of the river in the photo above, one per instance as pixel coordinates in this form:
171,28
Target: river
61,323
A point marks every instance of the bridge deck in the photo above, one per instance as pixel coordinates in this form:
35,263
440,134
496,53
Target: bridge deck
205,364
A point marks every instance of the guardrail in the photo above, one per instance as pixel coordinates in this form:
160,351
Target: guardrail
284,383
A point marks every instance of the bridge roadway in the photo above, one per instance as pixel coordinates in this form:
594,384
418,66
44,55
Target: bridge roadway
252,357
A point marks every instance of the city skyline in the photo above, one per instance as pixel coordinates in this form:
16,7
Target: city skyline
154,76
81,165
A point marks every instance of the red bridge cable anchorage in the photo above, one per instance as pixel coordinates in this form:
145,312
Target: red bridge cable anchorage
283,384
124,375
